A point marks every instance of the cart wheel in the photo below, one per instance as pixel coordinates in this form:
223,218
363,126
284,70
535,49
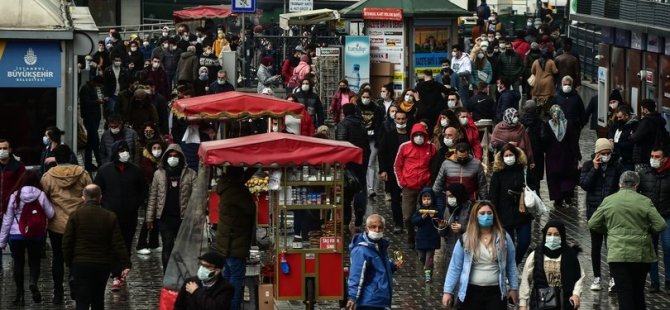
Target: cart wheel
310,294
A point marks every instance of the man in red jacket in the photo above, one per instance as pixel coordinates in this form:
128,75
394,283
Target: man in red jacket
412,170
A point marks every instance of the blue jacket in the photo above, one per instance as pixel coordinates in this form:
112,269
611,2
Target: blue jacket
507,99
370,273
458,275
427,236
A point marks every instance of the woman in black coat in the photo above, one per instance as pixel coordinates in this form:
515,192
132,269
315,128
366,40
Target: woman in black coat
510,175
530,118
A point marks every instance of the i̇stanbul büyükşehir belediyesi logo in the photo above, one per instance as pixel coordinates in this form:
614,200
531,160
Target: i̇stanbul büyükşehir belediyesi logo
30,58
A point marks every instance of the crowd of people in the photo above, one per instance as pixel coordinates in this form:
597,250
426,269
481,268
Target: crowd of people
421,144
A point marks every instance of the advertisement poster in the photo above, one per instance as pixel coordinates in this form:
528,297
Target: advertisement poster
357,61
387,44
430,46
30,64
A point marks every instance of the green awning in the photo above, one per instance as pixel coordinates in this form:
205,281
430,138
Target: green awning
410,8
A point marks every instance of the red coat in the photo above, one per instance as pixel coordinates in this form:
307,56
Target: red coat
412,163
286,70
306,124
521,47
472,134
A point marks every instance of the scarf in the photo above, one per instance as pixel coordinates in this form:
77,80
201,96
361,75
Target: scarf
558,126
406,106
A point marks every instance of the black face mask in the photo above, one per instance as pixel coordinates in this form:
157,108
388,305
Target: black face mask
463,161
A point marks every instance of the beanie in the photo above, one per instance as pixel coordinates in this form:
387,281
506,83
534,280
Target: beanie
615,95
603,144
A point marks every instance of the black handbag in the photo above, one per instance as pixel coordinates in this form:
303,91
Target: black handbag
545,298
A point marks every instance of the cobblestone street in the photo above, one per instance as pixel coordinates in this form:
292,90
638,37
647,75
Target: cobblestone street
411,292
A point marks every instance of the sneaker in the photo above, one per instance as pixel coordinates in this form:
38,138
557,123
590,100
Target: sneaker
595,286
387,197
144,251
116,284
429,275
397,230
612,287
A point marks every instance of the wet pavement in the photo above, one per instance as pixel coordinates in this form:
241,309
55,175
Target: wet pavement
411,292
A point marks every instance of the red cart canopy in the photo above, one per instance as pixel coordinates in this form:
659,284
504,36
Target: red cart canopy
278,149
235,105
202,12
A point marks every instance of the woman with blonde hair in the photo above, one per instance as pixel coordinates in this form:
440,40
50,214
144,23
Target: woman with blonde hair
481,262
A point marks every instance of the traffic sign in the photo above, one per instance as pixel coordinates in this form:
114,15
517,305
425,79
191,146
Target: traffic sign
243,6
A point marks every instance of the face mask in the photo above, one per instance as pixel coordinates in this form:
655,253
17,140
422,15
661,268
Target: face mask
365,101
515,120
613,106
156,153
498,37
4,154
452,201
392,115
448,142
343,89
101,49
605,158
220,82
409,98
462,160
529,24
109,46
133,49
655,163
115,130
207,52
374,236
205,274
117,64
509,160
304,87
501,89
156,65
173,161
444,122
418,140
567,88
480,55
165,45
451,104
275,128
463,120
45,140
173,47
203,76
400,126
165,34
124,156
145,44
485,220
149,135
552,242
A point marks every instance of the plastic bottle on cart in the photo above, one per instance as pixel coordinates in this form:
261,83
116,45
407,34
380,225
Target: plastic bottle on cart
304,195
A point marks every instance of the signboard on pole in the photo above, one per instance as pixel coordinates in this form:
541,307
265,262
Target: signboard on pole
243,6
300,5
30,64
357,61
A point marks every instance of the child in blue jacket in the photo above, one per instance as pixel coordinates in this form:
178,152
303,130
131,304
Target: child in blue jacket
427,236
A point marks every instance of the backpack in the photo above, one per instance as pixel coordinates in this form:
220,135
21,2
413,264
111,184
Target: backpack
33,220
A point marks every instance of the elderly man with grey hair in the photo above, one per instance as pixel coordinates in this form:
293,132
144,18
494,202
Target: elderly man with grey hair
571,103
628,219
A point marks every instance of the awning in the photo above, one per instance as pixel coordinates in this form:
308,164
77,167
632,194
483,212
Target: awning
307,18
278,149
410,8
235,105
202,12
35,19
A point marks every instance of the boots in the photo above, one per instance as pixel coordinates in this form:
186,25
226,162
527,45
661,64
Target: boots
37,296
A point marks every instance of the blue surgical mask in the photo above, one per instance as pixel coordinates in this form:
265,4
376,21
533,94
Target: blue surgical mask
552,242
45,140
485,220
205,274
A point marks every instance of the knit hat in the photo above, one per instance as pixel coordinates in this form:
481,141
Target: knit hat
213,258
616,95
603,144
534,46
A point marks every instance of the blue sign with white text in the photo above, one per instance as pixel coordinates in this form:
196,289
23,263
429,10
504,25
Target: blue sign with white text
30,64
243,6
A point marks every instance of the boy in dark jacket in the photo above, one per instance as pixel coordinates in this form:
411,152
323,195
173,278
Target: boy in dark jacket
427,236
208,290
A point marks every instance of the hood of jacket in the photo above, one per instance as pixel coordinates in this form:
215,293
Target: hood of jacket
116,146
419,129
665,167
170,148
29,193
429,191
499,164
65,175
185,55
363,240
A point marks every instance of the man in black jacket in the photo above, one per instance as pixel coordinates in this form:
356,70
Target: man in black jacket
208,290
351,129
89,103
388,149
644,138
124,190
116,80
432,96
620,131
482,105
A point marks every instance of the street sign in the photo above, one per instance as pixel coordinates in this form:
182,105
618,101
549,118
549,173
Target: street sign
300,5
243,6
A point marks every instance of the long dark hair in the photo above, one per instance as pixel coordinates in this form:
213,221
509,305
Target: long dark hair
28,178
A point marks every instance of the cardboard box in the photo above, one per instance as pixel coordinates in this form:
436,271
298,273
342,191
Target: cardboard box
381,69
376,83
266,300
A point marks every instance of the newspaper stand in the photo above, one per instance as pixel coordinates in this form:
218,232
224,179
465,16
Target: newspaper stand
310,174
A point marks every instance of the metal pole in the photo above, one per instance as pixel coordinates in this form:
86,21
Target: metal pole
284,38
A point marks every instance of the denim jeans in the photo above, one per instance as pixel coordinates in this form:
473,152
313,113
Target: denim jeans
664,236
521,236
234,271
110,106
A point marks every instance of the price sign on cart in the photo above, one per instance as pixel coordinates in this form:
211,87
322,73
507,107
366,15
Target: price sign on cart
329,243
243,6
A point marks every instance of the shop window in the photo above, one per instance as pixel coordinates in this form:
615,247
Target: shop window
26,113
612,8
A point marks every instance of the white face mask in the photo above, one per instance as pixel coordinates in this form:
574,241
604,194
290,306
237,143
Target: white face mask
124,156
480,55
165,33
4,154
515,120
304,87
509,160
654,163
418,139
605,158
133,49
452,201
165,45
156,65
451,104
463,120
374,236
409,98
448,142
392,115
365,101
567,88
613,106
400,126
444,122
529,24
173,161
145,43
156,153
115,130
